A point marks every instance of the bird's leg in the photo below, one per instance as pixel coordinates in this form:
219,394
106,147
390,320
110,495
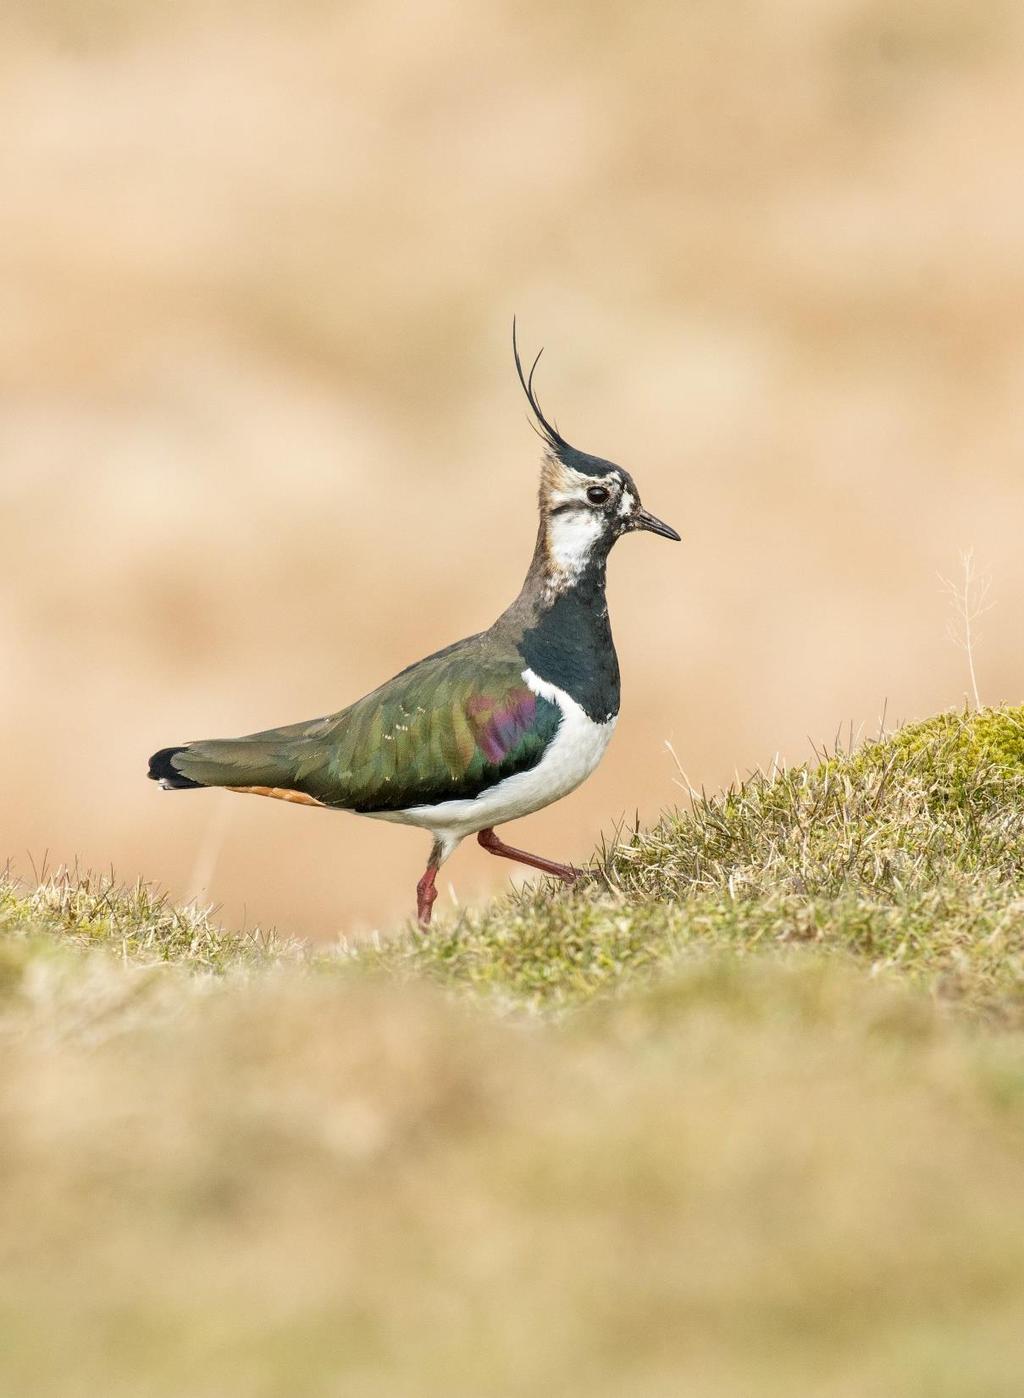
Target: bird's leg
489,840
425,890
425,895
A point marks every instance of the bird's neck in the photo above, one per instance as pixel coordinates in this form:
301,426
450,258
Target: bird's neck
570,554
560,625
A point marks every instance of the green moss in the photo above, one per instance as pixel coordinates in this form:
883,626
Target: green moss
954,753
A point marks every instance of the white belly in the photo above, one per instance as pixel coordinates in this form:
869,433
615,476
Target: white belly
574,752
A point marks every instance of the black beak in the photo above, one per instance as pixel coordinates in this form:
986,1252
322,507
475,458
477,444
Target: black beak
643,519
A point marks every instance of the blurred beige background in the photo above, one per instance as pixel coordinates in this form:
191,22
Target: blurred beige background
261,443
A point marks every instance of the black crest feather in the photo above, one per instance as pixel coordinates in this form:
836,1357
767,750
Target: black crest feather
546,430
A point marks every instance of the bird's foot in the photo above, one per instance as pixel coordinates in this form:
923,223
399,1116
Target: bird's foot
569,874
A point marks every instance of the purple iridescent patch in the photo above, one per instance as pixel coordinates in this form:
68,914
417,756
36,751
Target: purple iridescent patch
499,726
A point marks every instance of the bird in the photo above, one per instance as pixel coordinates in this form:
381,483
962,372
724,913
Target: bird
489,729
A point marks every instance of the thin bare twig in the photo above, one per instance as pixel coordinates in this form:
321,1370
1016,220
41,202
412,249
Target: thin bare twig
970,599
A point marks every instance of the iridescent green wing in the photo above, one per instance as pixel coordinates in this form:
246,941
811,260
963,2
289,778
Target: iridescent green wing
444,730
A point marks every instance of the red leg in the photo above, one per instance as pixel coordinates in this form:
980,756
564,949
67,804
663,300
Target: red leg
493,845
425,895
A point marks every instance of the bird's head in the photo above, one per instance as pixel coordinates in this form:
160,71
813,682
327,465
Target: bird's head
586,503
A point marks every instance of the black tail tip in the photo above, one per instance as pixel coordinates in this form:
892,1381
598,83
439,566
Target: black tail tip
162,771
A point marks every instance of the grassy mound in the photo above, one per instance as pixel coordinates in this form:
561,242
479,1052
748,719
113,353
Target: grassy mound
907,854
767,1164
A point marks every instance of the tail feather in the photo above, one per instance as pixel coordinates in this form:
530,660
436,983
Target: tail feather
263,761
162,770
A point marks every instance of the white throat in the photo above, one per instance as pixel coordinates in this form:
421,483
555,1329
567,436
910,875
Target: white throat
571,537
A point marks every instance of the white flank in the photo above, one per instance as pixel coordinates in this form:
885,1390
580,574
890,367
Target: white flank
576,749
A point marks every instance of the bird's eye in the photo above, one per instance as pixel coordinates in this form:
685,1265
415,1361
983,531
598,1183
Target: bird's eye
597,495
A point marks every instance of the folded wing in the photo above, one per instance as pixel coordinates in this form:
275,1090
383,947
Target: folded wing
446,729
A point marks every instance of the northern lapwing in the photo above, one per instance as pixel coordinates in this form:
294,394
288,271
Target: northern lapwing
487,730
